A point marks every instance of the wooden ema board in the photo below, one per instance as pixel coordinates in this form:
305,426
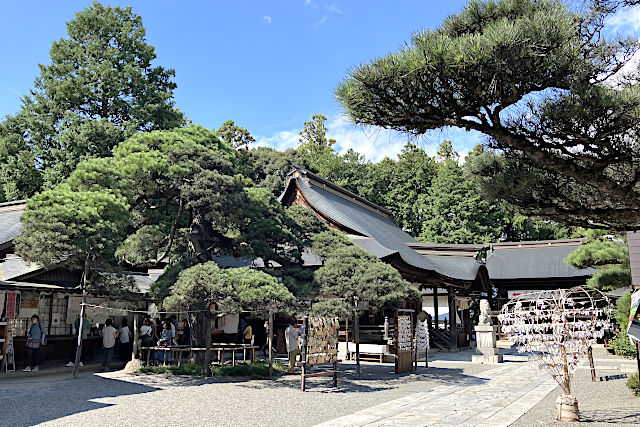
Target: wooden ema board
320,347
403,320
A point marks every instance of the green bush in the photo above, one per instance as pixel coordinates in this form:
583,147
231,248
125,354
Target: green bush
622,346
634,383
188,369
257,369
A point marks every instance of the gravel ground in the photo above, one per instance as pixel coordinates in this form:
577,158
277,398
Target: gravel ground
118,399
601,403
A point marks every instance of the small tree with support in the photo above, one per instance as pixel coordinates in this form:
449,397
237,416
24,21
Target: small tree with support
556,328
205,285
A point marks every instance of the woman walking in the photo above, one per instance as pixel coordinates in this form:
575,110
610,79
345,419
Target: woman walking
35,339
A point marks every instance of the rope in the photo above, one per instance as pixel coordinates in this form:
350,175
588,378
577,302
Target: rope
164,312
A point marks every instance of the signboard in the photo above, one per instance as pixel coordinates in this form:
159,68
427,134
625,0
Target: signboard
633,330
536,293
11,305
322,341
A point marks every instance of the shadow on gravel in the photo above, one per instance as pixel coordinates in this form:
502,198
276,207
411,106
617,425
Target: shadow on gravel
612,416
30,403
372,379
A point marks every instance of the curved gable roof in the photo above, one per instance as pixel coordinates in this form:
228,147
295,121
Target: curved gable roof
368,220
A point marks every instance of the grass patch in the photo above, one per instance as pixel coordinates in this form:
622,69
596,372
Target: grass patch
634,384
258,369
188,369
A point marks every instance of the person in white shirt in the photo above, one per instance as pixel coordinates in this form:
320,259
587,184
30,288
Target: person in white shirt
146,336
109,335
125,341
291,338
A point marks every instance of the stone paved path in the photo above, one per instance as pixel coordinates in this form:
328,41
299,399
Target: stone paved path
499,398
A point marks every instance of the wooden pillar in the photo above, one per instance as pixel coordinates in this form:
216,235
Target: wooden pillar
466,319
270,342
356,332
453,342
207,340
435,307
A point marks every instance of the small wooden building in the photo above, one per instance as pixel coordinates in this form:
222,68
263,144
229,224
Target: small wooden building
449,278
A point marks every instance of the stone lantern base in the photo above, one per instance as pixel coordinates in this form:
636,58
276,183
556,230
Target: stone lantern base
486,349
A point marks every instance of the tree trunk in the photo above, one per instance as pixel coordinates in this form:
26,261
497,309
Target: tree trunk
567,408
85,279
198,335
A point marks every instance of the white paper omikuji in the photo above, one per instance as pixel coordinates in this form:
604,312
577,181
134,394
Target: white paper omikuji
556,328
404,333
421,339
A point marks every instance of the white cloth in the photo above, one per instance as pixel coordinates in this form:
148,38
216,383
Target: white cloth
108,338
291,337
124,334
146,330
173,330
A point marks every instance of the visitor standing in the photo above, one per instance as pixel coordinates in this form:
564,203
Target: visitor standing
265,345
291,337
35,339
247,333
124,335
146,336
174,329
109,335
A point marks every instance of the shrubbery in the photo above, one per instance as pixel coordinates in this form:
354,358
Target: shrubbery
256,369
188,369
634,383
622,346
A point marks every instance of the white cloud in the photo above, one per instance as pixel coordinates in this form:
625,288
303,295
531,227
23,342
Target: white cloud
267,19
307,2
374,143
320,22
14,90
625,18
333,8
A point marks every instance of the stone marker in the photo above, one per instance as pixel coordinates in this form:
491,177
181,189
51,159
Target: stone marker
486,349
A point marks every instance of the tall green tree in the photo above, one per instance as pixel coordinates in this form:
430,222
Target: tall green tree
455,211
542,80
100,87
313,137
234,135
410,188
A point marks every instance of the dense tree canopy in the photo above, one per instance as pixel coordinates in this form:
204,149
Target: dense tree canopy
99,88
456,213
542,81
351,273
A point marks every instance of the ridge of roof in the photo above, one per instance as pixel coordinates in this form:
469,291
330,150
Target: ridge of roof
448,245
537,243
13,202
342,192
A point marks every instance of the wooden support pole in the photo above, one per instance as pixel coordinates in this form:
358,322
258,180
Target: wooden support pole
453,342
80,325
270,343
593,369
356,332
436,324
207,353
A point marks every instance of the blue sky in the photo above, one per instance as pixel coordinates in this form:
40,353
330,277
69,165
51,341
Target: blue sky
269,66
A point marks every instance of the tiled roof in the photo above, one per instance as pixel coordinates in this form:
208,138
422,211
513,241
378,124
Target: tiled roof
10,226
377,230
533,260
